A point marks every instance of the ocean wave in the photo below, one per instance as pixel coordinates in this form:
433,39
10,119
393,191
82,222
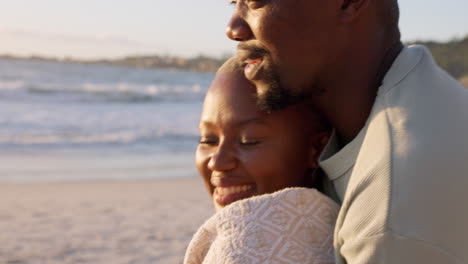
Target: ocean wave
111,92
63,82
71,106
112,138
11,85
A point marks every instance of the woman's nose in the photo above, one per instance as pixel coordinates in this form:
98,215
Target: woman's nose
223,159
237,29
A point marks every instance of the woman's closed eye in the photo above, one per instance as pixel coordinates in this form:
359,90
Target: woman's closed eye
250,141
252,3
208,141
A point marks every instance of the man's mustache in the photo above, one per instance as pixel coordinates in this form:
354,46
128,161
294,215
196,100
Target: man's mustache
250,50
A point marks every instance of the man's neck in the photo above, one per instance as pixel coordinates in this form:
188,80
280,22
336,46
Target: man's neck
351,91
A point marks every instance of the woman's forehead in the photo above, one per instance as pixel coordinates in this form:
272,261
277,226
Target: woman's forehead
231,100
223,109
232,82
230,93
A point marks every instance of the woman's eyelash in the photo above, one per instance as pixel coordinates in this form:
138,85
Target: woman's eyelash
207,141
249,142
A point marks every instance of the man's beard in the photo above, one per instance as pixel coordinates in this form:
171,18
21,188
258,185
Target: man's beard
276,96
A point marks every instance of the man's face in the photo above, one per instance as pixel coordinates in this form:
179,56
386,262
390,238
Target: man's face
285,44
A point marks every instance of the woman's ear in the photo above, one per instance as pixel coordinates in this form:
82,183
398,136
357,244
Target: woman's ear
318,143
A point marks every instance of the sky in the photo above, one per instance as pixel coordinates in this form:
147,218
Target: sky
116,28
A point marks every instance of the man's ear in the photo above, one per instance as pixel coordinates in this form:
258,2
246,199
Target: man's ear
351,9
319,142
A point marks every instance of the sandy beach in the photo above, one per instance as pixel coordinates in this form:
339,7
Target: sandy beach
134,222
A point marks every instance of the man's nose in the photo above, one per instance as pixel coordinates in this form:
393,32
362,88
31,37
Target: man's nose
237,29
224,159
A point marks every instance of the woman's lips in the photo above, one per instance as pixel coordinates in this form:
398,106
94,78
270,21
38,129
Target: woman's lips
252,67
227,195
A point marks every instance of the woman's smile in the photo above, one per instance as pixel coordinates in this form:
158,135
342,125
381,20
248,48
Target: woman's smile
229,194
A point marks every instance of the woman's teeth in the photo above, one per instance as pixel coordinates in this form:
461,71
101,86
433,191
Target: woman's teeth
233,189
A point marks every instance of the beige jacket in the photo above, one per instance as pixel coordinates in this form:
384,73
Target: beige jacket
403,181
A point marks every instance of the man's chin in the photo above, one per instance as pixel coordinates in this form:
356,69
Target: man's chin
270,102
272,95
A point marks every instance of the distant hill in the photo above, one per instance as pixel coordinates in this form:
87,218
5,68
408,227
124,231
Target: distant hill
464,81
451,56
199,64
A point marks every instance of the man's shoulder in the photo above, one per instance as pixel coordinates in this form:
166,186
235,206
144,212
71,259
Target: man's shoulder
411,172
426,113
415,73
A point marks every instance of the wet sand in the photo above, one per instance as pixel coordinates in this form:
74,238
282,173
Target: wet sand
135,222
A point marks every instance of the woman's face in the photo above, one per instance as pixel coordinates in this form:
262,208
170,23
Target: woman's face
245,152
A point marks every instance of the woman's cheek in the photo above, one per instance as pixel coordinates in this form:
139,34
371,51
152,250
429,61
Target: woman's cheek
202,157
250,155
259,165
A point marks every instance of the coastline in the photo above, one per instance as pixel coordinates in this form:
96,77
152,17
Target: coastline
135,221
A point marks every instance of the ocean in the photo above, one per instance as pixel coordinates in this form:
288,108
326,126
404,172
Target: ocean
66,122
